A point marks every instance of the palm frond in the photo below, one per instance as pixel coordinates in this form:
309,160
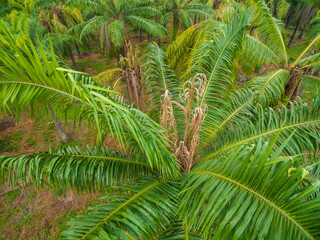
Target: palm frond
311,86
269,88
106,76
179,231
214,57
236,115
87,4
181,49
90,26
185,19
159,76
301,119
255,53
150,203
146,12
71,167
312,61
40,81
251,193
308,48
282,9
147,25
272,31
116,32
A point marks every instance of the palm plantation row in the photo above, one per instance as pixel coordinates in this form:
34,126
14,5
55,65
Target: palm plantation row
201,157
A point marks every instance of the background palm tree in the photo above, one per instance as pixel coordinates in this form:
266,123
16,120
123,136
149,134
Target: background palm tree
220,166
265,43
58,19
287,80
111,17
181,12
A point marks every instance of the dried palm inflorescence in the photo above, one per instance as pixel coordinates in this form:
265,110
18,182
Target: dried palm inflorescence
133,76
190,93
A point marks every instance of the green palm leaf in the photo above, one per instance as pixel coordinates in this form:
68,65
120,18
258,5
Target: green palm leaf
269,88
214,57
116,32
71,167
244,195
312,61
255,53
185,19
160,77
272,30
142,214
300,118
42,82
235,115
88,27
147,25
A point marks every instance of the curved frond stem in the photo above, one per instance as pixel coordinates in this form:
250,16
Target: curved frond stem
247,140
306,49
282,211
106,219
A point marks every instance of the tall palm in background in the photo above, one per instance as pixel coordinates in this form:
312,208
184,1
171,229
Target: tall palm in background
112,16
181,13
299,15
286,81
265,43
23,18
58,19
220,166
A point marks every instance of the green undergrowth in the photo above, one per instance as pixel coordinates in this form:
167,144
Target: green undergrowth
12,142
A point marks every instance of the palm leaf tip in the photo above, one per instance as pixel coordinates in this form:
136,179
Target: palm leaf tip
148,206
240,195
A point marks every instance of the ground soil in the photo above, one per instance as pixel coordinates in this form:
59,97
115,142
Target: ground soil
25,211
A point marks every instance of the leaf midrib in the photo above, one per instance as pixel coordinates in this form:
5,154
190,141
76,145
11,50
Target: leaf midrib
217,63
256,136
102,157
266,83
121,207
256,194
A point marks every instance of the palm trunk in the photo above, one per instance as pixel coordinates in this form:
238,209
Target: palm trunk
302,31
148,38
295,30
159,42
216,4
288,16
78,51
195,20
141,37
251,30
71,56
64,137
308,17
175,29
275,14
107,38
293,85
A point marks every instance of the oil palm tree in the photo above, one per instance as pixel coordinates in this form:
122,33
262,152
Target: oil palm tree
58,19
111,17
234,170
265,43
288,78
181,12
23,19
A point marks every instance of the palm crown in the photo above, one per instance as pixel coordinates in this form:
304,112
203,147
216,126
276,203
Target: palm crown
113,15
221,166
181,12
